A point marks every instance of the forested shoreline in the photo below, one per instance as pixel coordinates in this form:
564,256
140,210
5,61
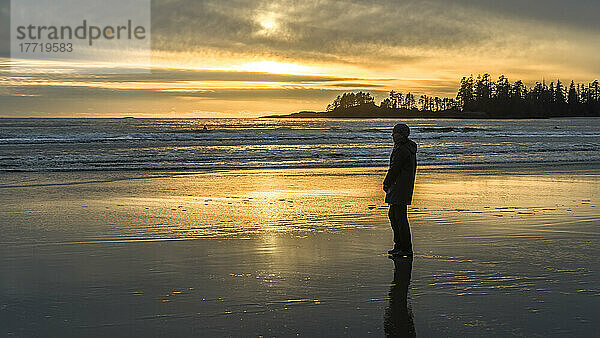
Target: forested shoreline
477,97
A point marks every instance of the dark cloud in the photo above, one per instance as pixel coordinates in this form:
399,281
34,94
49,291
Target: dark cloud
318,30
47,92
351,31
173,75
343,31
357,85
580,14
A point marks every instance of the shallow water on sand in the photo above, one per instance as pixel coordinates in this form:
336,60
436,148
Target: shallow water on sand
284,252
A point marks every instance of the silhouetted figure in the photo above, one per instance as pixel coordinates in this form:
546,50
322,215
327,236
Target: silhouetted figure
398,320
399,185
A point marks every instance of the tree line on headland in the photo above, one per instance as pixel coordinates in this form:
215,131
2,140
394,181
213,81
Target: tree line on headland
504,99
477,97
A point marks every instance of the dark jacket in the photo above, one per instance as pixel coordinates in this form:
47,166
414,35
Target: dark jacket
399,182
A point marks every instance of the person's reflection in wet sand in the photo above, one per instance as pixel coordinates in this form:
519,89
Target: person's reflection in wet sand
398,320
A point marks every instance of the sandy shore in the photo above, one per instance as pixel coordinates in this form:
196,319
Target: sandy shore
501,251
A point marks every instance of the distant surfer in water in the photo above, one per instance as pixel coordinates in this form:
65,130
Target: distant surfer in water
399,185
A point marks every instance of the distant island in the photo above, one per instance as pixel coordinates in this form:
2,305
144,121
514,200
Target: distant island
477,98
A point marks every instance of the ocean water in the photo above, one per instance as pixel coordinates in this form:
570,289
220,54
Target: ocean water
183,144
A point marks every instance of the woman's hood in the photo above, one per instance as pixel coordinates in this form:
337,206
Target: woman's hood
412,146
409,144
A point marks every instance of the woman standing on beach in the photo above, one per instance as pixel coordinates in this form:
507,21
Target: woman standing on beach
399,185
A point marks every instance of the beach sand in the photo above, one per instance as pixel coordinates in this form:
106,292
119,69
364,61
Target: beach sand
498,251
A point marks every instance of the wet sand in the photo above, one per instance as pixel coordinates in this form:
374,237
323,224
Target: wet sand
499,251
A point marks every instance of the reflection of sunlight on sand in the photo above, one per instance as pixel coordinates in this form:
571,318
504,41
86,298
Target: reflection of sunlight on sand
507,199
259,202
248,203
242,203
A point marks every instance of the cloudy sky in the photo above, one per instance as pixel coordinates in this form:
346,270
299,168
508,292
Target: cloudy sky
248,58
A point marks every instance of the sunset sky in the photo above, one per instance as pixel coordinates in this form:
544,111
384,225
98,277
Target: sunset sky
249,58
